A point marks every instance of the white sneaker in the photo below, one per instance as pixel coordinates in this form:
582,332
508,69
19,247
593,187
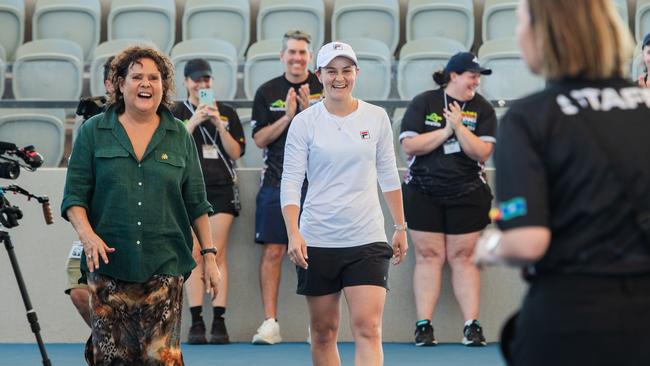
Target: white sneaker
308,334
268,333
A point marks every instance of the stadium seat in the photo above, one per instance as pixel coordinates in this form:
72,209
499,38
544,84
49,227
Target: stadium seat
222,57
262,64
254,157
499,19
101,54
153,20
276,17
453,19
42,128
228,20
373,19
400,156
418,60
375,59
621,6
3,58
50,69
637,66
510,78
75,20
12,26
642,19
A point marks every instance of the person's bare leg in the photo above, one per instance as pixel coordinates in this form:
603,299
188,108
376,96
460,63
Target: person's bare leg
324,315
366,306
220,224
80,298
427,276
465,277
270,273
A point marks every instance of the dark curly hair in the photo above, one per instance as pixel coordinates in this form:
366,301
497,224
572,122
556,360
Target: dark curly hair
132,55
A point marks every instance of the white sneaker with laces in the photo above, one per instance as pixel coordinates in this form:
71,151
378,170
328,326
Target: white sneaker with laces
268,333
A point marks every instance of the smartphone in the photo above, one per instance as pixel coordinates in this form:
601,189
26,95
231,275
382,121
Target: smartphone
206,96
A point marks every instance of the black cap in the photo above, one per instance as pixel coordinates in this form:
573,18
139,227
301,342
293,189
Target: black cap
646,40
197,68
465,61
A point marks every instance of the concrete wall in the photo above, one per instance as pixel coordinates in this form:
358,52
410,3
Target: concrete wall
42,250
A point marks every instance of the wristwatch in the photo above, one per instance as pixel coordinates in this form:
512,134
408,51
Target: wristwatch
209,250
401,227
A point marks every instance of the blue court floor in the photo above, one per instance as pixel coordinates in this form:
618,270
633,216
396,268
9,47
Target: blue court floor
286,354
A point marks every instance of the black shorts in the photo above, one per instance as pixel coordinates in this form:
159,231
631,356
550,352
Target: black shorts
222,199
332,269
461,215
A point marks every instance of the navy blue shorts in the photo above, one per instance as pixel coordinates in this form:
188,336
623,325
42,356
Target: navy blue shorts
269,223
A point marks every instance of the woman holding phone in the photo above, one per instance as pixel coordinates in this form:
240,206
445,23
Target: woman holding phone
219,138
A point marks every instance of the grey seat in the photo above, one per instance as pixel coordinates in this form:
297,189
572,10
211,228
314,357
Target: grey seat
373,19
375,60
419,59
400,156
228,20
153,20
637,66
453,19
621,7
276,17
102,53
642,19
50,69
511,78
262,64
222,57
75,20
499,19
12,26
3,58
39,127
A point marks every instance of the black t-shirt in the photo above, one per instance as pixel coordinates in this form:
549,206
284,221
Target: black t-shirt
268,107
215,172
440,173
553,171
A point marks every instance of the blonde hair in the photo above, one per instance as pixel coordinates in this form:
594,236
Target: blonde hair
581,38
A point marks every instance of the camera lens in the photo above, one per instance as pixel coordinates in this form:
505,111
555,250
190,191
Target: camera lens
9,170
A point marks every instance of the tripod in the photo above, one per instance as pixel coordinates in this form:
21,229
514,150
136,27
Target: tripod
31,314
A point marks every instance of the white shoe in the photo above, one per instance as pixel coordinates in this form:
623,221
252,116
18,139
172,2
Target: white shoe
268,333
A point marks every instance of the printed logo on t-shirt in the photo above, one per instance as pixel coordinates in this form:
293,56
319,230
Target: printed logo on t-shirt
365,135
433,119
278,106
510,209
469,119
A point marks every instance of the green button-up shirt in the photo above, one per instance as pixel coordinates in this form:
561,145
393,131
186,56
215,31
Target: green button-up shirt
143,209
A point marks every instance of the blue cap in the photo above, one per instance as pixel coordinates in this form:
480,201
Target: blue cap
646,40
465,61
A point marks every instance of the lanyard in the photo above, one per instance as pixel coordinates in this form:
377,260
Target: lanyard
462,108
213,140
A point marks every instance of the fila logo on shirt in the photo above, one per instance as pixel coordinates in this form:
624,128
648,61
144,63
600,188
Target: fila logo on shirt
365,135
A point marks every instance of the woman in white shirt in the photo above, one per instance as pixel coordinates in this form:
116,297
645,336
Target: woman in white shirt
345,147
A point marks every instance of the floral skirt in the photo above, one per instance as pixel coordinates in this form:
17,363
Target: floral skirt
136,323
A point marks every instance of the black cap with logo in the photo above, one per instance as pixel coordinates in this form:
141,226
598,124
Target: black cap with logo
465,61
197,68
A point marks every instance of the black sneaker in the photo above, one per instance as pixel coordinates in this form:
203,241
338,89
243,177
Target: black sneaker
197,334
218,333
424,334
473,335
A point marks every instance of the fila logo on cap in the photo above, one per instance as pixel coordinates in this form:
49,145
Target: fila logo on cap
337,46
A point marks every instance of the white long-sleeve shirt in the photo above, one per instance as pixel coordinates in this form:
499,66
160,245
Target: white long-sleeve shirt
344,158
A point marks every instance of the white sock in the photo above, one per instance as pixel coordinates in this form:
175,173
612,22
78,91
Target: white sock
469,322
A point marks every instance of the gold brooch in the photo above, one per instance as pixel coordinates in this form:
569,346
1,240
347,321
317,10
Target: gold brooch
164,156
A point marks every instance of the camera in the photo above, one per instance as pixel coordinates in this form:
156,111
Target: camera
12,159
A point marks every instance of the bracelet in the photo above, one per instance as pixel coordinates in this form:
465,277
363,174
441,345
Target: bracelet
401,227
212,250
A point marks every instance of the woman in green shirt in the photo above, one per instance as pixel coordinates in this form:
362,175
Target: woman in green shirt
134,190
